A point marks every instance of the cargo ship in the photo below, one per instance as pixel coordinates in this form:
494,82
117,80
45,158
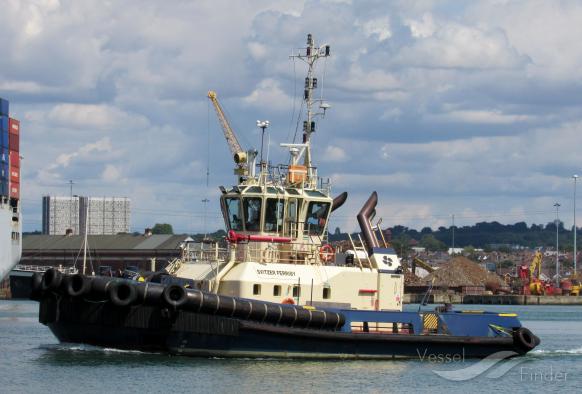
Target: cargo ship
10,216
277,288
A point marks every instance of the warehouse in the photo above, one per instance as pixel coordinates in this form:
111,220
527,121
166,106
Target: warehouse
111,251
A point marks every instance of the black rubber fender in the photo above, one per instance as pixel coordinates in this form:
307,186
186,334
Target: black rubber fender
36,286
174,296
122,293
525,339
100,286
52,279
149,293
78,285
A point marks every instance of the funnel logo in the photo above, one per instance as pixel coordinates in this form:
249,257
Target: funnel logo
491,363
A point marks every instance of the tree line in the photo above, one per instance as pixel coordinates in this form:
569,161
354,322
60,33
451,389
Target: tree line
486,235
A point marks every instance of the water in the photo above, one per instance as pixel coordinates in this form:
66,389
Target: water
32,361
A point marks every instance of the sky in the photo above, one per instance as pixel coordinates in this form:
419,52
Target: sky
465,108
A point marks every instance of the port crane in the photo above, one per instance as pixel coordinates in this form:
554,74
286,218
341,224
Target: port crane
243,159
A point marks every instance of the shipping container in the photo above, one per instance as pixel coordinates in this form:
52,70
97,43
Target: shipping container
15,190
14,126
14,159
4,156
4,123
4,107
14,142
4,174
4,138
3,187
14,174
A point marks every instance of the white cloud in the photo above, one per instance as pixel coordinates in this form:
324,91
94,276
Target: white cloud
480,116
103,145
422,28
370,80
52,171
334,153
455,45
111,173
269,95
546,31
378,28
258,51
93,116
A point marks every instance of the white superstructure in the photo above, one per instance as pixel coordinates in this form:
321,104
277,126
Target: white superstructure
277,221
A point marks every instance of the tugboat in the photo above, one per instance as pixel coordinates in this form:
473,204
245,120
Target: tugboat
277,289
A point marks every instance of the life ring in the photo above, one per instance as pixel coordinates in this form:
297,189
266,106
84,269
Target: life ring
289,301
525,339
326,253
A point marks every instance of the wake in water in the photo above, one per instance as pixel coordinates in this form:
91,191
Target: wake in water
555,352
78,347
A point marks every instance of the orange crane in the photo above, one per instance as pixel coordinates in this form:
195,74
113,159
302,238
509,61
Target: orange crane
242,159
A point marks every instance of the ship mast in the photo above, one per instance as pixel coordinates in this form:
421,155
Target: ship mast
312,54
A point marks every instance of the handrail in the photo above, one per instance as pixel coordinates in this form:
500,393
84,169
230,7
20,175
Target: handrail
286,253
43,268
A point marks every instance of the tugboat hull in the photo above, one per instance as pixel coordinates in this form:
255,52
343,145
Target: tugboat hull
160,329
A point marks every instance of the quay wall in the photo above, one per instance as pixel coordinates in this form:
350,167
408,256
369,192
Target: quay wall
493,299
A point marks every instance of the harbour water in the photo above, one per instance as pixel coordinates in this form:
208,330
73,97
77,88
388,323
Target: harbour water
32,361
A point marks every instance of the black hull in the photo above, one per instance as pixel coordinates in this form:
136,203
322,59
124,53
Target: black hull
157,329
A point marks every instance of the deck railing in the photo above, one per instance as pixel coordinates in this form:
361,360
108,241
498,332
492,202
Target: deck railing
43,268
287,253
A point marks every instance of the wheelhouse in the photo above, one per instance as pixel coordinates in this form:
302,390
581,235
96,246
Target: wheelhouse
285,212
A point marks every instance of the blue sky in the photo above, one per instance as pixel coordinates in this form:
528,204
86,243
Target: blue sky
444,107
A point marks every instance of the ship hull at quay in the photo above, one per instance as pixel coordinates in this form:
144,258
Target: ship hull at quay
10,248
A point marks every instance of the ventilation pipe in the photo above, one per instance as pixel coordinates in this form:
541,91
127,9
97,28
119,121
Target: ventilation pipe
364,216
339,201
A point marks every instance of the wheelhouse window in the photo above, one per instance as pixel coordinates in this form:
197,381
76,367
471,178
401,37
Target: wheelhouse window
233,213
292,220
274,215
252,213
277,290
256,289
316,217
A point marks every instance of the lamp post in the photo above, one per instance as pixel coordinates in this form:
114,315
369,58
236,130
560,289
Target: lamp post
205,201
557,205
575,177
453,236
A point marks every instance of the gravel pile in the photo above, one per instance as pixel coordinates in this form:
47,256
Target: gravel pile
412,280
461,271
